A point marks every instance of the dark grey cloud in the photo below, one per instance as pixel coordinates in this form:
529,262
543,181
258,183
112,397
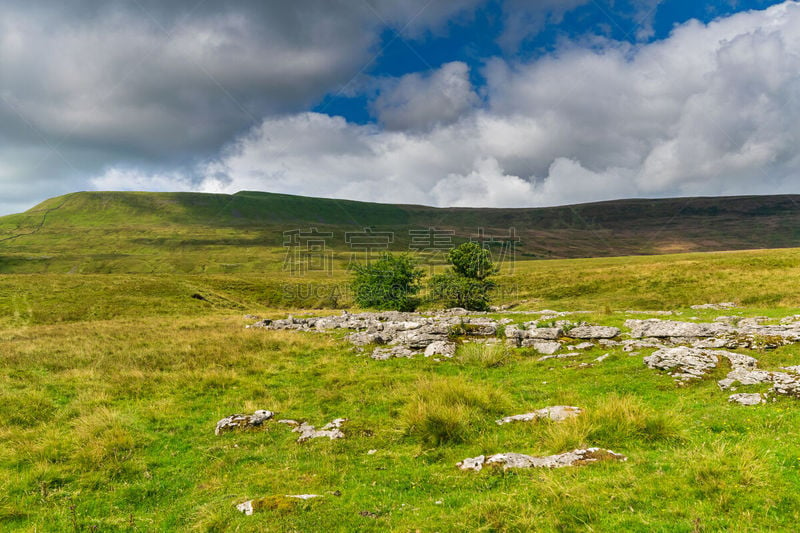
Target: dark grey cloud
146,83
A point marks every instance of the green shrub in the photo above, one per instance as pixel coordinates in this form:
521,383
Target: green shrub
465,284
391,282
453,290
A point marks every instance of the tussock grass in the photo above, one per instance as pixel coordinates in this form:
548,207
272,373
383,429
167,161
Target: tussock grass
614,420
483,354
450,410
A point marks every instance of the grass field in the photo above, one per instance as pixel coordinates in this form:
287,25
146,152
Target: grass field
112,385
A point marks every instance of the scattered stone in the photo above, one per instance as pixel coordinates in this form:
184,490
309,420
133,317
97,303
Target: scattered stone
747,398
718,307
546,348
559,356
518,460
272,503
368,514
372,452
556,413
443,348
384,354
593,332
602,358
233,422
331,430
582,346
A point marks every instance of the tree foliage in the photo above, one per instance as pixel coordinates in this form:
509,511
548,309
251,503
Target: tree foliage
465,284
472,261
391,282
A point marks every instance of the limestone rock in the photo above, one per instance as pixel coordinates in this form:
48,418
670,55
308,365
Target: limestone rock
332,430
657,328
543,347
593,332
542,333
518,460
384,354
556,413
443,348
747,399
233,422
693,363
719,306
582,346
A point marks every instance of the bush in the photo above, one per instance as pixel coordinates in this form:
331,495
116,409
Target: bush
454,290
472,261
465,284
391,282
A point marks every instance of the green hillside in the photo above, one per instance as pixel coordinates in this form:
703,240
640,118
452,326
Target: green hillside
137,232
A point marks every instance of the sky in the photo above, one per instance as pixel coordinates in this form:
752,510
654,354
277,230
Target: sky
485,103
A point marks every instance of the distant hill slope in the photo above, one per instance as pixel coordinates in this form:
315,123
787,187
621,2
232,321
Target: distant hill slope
113,231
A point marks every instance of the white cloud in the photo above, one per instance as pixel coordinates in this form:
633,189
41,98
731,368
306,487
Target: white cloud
713,109
416,101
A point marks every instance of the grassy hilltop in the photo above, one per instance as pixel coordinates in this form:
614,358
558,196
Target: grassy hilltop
122,342
132,232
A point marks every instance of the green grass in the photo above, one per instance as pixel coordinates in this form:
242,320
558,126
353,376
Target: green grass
111,384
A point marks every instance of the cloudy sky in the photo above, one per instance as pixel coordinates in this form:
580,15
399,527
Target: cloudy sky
504,103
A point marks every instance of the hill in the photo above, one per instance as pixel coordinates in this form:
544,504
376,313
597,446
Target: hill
195,232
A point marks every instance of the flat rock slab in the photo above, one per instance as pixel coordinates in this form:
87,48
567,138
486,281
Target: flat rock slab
384,354
688,364
719,306
332,430
543,347
517,460
556,413
235,422
592,332
744,398
659,329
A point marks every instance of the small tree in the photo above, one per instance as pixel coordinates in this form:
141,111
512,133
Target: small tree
472,261
391,282
465,284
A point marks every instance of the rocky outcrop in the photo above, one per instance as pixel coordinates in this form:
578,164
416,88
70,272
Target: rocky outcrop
517,460
660,329
556,413
688,364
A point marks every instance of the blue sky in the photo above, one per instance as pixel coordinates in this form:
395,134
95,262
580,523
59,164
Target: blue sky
506,103
475,38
